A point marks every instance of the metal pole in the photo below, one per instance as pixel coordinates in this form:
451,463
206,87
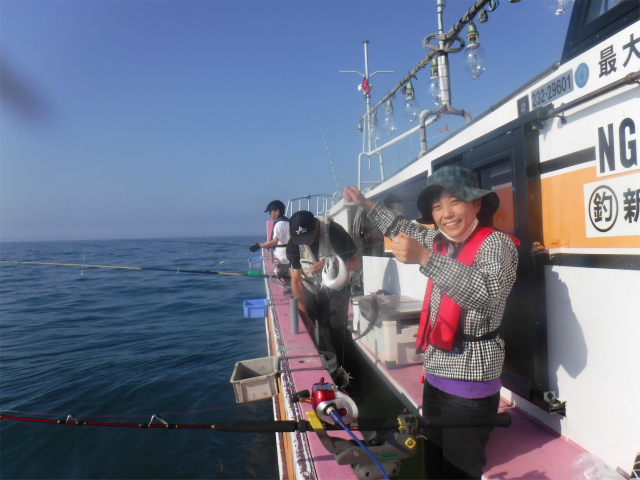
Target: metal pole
367,95
293,313
443,61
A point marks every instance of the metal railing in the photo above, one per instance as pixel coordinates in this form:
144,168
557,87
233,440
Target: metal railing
319,204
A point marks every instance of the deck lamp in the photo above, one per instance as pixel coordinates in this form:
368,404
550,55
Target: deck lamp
434,83
360,126
373,128
474,59
411,107
389,120
559,7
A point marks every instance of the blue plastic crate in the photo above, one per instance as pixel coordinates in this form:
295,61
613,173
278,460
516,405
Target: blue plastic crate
255,308
255,263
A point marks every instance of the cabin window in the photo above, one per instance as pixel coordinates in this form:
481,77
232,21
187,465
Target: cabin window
499,178
592,21
597,8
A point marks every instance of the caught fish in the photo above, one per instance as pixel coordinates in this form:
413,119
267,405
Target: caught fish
334,273
342,377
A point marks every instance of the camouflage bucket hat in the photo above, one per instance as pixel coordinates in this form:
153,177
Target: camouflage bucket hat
461,183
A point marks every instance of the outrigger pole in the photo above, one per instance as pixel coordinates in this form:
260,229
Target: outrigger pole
250,273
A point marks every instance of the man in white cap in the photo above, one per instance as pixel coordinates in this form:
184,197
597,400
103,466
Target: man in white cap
279,237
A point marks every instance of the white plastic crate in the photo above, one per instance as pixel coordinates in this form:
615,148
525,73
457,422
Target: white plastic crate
255,379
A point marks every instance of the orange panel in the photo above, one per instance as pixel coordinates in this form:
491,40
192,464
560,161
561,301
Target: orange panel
503,218
563,213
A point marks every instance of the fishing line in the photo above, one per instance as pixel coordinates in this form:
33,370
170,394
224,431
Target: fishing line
328,153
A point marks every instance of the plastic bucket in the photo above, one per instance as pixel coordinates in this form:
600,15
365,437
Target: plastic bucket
332,361
255,263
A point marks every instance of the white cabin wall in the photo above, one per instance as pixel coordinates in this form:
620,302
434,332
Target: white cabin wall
341,216
395,277
593,318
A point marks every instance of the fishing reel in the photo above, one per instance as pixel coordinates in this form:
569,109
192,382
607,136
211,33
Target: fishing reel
326,397
333,409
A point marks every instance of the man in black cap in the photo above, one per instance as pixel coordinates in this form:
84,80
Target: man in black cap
311,244
471,268
279,236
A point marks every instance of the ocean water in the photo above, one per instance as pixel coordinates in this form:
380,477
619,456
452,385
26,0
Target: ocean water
114,345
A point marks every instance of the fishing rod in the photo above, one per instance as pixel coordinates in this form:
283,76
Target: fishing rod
187,241
274,426
331,409
250,273
385,453
203,243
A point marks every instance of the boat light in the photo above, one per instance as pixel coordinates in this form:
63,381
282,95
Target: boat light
474,59
389,120
559,7
411,107
373,128
434,83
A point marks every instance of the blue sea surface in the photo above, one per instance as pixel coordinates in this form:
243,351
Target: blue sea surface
118,345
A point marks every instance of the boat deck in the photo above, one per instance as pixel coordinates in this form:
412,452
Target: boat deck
525,450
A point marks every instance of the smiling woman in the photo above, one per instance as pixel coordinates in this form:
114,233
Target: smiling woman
471,269
455,218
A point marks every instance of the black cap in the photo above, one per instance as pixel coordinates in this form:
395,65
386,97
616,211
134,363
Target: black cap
303,227
275,205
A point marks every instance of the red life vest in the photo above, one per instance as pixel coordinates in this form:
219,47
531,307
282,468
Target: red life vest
444,329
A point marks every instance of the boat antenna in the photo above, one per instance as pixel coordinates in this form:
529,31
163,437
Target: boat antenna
365,86
328,153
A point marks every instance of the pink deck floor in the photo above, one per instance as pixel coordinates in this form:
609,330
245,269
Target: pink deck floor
525,450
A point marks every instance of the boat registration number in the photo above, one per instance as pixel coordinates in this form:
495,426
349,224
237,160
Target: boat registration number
556,88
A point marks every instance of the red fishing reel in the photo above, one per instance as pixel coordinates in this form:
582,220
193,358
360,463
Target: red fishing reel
325,395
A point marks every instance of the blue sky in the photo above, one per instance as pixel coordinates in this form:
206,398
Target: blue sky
185,118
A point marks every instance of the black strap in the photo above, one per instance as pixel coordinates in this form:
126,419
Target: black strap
487,336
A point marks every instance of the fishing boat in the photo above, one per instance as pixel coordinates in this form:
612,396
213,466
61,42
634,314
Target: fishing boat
561,152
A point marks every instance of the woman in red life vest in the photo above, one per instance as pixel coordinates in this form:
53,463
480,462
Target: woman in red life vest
471,268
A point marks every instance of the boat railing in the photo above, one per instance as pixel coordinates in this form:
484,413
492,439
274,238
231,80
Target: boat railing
320,204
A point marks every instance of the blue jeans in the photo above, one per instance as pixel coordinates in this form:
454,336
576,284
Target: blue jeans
455,453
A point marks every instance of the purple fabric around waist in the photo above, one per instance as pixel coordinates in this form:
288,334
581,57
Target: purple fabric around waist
464,388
